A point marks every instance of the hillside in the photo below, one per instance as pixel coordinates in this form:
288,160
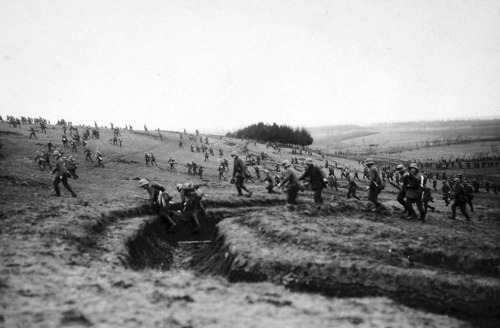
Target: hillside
104,259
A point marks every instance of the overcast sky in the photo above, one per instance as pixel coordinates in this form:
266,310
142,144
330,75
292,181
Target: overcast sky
216,65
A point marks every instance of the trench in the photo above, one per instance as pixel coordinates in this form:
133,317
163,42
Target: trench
208,253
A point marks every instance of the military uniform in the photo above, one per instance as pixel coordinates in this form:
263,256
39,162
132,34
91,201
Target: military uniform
316,177
239,172
292,181
61,176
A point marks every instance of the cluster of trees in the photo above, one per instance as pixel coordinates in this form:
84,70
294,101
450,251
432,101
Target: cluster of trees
282,134
27,120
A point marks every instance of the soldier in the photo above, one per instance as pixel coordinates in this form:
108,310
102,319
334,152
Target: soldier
460,201
87,153
292,181
190,167
269,182
64,141
195,167
487,186
49,145
257,171
115,140
33,132
356,175
120,140
434,184
153,159
40,161
73,146
446,190
158,199
476,185
98,156
221,170
180,144
403,176
375,185
147,158
427,198
192,148
206,157
71,166
414,192
331,171
191,202
200,171
239,171
43,127
366,173
316,178
61,176
351,186
171,161
468,193
64,129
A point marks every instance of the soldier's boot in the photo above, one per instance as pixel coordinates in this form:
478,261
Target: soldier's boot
422,217
453,216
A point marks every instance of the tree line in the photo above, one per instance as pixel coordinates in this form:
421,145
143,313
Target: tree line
282,134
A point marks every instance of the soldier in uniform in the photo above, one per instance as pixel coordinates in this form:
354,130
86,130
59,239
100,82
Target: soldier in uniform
191,202
351,186
257,171
316,178
468,193
61,176
487,186
446,190
33,132
200,171
190,167
98,156
49,145
147,158
171,161
71,166
414,192
64,141
374,184
403,176
292,181
153,159
120,140
73,146
87,153
460,200
239,171
158,199
221,170
269,182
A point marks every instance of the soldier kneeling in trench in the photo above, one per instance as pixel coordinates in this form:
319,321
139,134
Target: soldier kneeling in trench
191,197
158,200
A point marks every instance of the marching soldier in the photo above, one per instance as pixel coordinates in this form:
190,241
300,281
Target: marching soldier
468,193
49,145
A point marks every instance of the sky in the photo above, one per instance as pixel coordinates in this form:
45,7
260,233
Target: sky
219,65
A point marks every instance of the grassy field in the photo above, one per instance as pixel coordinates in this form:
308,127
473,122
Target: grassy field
103,259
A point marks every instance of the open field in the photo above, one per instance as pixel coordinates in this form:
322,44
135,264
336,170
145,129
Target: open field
103,259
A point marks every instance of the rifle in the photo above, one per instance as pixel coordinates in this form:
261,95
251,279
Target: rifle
394,185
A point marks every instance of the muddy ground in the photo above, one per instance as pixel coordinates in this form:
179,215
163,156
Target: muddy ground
102,259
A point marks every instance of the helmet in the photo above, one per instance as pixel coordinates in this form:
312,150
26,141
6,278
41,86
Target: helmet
309,161
143,182
369,161
266,171
400,167
56,153
413,166
456,179
178,186
234,153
